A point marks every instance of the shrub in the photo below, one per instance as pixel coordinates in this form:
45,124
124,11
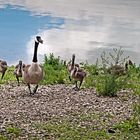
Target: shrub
108,84
55,70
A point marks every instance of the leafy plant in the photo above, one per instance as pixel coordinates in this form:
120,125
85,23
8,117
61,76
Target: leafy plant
109,83
113,58
55,70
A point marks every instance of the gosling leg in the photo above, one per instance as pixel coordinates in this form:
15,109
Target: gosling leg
81,81
76,87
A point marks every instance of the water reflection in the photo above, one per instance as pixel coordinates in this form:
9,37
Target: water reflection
85,27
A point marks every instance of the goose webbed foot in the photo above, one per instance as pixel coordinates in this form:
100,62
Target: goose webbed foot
76,88
31,93
34,90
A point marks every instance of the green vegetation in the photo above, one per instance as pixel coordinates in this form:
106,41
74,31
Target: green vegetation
3,137
55,70
9,76
13,131
66,130
106,83
72,129
129,129
114,76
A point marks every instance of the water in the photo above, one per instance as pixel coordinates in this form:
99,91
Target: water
83,27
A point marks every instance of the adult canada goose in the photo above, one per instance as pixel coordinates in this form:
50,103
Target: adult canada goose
3,67
33,74
18,70
76,73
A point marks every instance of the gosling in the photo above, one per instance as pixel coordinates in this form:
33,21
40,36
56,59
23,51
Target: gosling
76,73
18,70
3,68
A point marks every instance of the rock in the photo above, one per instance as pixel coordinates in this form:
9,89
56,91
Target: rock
111,130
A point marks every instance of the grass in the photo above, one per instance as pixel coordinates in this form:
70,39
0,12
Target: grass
9,76
128,129
13,131
3,137
68,129
72,129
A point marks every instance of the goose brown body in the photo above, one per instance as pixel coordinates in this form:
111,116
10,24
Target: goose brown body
33,74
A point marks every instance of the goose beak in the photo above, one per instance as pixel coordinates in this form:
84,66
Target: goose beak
41,41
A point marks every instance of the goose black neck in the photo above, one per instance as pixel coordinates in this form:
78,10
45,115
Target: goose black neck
20,67
73,61
35,52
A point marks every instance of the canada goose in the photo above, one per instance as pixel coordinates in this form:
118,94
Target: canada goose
18,70
3,68
33,74
120,70
76,73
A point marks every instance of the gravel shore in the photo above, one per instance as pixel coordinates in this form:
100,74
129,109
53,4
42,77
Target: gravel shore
61,102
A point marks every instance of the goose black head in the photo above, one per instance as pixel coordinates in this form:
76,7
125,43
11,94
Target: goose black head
38,38
20,62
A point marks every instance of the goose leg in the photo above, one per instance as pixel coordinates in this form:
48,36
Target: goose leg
35,89
3,73
17,80
29,87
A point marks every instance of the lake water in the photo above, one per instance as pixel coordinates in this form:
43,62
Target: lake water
83,27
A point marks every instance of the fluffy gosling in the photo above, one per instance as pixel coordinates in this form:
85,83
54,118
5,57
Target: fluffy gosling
3,67
76,73
18,70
